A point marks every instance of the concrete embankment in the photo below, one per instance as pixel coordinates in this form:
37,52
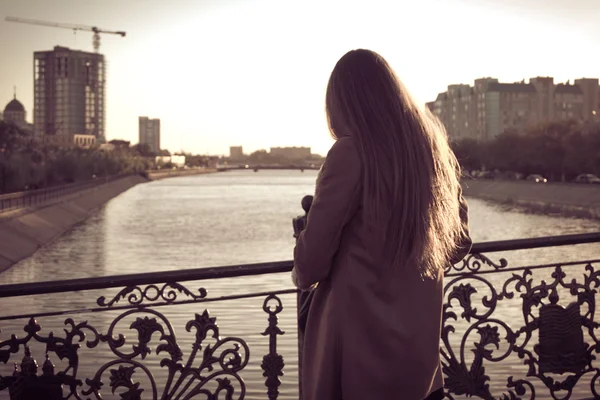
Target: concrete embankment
23,232
568,199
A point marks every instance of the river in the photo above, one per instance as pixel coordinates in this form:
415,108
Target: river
229,218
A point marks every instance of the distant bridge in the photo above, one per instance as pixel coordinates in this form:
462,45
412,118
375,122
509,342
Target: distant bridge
258,167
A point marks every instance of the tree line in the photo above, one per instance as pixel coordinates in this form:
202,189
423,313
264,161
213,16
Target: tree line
559,151
27,163
263,157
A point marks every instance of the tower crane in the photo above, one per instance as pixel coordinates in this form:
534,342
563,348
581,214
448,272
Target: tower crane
97,31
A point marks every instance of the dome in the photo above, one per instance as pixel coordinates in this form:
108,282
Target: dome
14,106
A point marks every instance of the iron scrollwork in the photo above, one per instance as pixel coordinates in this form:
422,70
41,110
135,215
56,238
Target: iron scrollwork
136,295
560,348
210,370
475,262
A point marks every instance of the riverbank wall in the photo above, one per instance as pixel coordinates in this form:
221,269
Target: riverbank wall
162,174
24,231
566,199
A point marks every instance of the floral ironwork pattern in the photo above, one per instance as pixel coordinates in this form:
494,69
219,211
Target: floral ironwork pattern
475,262
548,340
272,363
213,366
136,295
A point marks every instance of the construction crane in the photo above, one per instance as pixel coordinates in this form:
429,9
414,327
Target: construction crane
74,28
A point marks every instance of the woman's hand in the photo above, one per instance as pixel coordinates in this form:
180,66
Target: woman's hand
295,280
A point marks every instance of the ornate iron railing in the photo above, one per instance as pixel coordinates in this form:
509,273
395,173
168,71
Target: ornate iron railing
553,346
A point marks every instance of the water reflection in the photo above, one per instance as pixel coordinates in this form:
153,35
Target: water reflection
230,218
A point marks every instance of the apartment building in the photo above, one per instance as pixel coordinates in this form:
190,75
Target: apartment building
236,152
488,108
149,133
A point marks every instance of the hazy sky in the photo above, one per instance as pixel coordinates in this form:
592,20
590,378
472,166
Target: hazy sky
253,72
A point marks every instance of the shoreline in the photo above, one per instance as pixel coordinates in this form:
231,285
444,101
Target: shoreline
24,231
155,175
564,199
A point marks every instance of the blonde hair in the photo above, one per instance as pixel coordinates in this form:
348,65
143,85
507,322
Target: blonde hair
419,205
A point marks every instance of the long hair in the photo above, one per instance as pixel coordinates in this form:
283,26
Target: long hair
410,174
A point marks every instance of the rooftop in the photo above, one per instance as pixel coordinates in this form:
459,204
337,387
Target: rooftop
511,87
15,106
568,89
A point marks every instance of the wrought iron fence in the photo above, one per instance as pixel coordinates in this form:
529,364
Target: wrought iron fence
31,198
555,345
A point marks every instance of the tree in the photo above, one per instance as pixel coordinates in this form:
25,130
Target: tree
469,154
120,144
551,142
258,157
12,138
591,150
143,149
560,151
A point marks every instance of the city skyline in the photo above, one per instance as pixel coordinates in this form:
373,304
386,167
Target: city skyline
183,63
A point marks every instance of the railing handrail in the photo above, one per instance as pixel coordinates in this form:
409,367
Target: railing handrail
233,271
535,243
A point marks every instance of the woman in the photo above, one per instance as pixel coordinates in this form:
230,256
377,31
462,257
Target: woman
387,218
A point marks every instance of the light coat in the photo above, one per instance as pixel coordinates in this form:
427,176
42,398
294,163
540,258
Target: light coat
372,332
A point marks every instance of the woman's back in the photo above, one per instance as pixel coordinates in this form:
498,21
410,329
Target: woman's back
379,232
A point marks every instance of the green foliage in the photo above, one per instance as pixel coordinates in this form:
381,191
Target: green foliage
143,149
28,164
559,151
263,157
196,160
468,153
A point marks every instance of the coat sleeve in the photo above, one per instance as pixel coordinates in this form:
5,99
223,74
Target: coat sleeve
336,200
464,247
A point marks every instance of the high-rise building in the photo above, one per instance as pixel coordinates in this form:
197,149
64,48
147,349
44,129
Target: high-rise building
150,133
236,152
68,95
504,106
489,107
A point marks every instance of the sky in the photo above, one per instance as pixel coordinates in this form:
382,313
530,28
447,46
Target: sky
253,73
